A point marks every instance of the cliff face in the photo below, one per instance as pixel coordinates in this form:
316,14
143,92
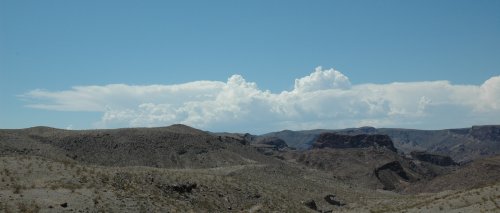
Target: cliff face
339,141
440,160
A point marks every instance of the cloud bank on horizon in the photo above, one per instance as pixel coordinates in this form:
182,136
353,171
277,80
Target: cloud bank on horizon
324,99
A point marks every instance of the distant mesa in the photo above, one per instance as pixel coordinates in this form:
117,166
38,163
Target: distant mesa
364,130
340,141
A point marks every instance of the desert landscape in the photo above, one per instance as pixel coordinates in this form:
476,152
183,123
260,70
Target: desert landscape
182,169
249,106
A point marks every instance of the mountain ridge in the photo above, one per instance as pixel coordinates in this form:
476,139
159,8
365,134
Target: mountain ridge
462,144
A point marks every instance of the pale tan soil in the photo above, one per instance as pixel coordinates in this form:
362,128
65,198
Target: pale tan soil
35,184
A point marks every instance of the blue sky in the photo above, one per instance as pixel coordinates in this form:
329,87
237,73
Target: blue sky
53,46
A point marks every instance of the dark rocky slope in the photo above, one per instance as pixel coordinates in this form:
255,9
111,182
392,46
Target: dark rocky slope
475,174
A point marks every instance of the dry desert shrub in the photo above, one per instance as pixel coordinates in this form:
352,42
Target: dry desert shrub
28,208
17,188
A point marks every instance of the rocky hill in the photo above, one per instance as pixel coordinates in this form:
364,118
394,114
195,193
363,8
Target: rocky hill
176,146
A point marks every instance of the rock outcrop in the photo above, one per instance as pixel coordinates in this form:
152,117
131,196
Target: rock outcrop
391,174
339,141
311,204
273,142
180,188
331,200
269,145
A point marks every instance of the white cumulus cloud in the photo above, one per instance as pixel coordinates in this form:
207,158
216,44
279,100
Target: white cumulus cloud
322,80
323,99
